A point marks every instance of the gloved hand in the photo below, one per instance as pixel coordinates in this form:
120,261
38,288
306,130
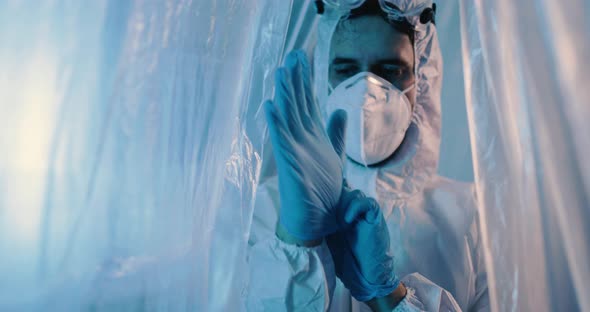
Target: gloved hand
362,257
309,169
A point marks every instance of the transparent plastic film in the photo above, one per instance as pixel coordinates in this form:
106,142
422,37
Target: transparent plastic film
131,148
526,76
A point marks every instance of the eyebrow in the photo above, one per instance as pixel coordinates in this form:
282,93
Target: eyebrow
393,61
343,60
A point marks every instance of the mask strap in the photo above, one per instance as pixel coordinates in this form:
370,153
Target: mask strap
408,89
404,93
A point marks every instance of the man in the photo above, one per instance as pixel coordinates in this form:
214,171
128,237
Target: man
378,76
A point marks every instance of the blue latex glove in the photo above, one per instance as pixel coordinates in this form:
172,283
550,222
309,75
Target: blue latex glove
362,257
309,169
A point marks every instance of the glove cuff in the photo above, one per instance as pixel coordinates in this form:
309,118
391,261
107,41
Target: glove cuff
370,291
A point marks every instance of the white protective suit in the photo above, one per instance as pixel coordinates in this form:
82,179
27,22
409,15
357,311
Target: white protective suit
433,223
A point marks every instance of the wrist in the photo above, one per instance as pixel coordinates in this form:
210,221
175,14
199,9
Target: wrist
284,235
389,302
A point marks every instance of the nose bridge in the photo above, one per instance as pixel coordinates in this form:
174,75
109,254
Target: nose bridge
367,62
366,66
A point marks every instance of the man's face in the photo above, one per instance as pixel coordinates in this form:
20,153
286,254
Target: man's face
370,44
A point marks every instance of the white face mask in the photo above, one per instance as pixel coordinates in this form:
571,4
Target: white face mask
378,116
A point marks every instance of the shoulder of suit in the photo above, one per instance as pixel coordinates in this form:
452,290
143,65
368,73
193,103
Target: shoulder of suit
458,190
451,202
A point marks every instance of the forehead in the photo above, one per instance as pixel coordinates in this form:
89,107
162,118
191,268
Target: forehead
370,39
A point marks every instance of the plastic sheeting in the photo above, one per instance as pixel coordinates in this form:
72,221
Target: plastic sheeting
126,175
527,75
131,144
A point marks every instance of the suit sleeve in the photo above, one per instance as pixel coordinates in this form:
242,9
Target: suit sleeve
284,277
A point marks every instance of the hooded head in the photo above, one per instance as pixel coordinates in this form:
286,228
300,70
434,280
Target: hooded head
389,39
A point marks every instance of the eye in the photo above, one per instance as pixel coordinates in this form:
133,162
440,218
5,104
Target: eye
345,70
393,71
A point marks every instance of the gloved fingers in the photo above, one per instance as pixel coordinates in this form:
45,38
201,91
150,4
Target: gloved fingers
361,264
356,207
280,136
312,108
294,64
316,115
349,204
337,132
366,234
371,244
361,208
286,102
373,214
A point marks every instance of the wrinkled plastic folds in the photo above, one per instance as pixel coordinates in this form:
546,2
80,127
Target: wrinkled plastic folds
131,142
126,175
527,74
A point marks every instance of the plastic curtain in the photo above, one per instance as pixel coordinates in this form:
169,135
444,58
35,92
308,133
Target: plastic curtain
527,74
130,150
